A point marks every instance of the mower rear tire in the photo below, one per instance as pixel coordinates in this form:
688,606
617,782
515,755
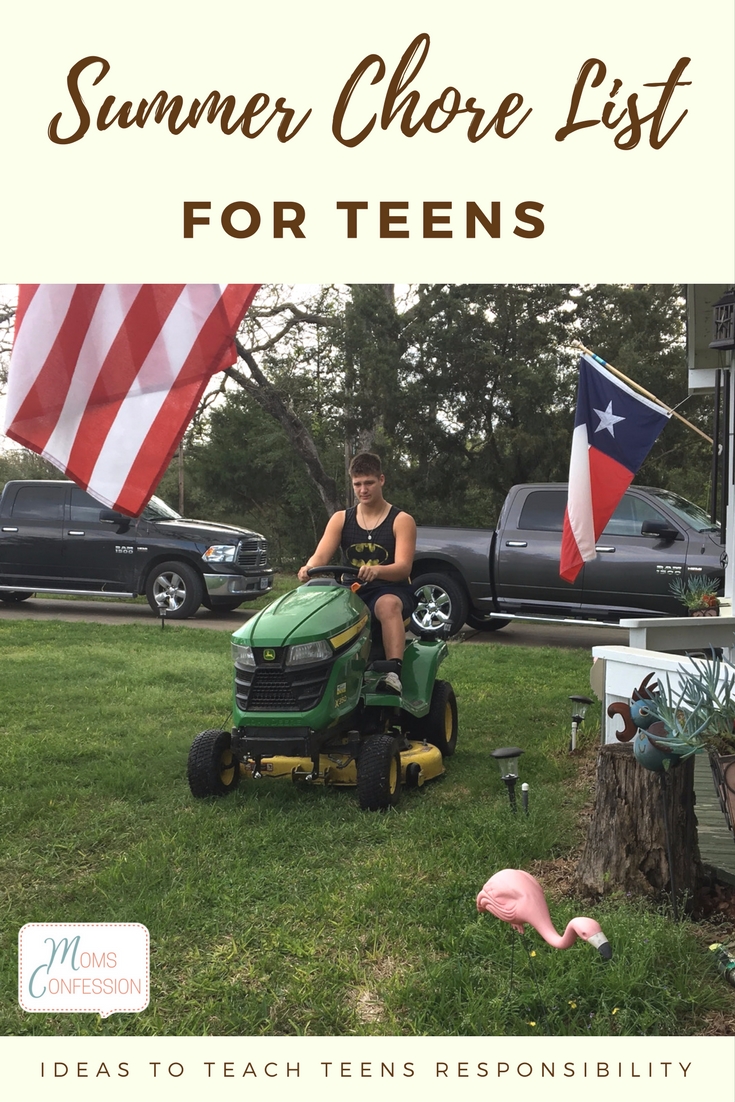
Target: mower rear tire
212,769
439,726
379,773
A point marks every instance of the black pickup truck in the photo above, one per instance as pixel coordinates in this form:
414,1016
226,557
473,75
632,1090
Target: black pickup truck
484,577
55,538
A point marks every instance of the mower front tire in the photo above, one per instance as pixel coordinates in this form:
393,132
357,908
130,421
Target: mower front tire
212,770
439,726
379,773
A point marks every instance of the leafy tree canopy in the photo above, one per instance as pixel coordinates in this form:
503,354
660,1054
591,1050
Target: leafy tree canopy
463,389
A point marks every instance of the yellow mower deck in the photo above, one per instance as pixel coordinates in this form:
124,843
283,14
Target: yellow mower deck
336,768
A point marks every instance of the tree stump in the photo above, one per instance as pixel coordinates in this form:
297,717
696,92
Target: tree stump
625,848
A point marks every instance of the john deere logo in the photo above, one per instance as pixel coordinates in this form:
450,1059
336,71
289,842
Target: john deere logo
269,655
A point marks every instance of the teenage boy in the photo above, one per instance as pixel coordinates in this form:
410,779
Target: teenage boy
380,540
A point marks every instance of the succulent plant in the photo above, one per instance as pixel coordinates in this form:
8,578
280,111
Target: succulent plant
698,593
699,715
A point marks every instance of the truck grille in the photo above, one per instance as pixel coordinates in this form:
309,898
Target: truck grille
280,690
252,552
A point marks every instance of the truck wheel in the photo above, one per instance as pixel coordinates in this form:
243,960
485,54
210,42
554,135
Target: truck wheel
439,726
479,623
175,587
15,597
441,602
379,773
212,769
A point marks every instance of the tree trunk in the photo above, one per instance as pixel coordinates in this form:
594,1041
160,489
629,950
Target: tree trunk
626,841
268,398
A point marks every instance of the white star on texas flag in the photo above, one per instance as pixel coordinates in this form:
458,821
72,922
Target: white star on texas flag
608,420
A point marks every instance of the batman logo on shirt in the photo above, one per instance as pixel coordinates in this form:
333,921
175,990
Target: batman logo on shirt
366,554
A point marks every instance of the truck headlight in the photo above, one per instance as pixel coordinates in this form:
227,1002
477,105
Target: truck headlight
301,653
221,552
243,656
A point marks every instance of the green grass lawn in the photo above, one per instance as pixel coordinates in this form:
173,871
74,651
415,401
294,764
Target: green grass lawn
285,909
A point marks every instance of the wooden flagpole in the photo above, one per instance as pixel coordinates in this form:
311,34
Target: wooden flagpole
645,393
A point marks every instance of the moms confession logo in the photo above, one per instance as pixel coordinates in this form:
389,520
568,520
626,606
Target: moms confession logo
83,967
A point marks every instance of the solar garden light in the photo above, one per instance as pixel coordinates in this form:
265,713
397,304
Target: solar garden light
580,704
507,759
161,599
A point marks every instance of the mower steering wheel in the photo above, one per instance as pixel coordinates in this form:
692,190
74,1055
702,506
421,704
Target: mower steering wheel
334,571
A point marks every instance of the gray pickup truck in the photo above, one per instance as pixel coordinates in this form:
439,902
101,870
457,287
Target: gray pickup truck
484,576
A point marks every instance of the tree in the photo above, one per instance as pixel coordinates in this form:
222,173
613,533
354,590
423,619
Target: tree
250,376
7,319
242,468
464,389
487,405
373,363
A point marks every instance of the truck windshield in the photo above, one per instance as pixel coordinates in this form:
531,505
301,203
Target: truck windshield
159,510
686,510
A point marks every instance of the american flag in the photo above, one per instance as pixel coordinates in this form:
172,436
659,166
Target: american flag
614,430
104,378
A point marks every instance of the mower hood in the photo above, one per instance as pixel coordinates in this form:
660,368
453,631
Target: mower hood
305,615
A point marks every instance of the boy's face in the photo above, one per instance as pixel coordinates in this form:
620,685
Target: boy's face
368,487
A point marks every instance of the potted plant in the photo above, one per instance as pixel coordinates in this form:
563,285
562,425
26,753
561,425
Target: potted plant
700,716
698,594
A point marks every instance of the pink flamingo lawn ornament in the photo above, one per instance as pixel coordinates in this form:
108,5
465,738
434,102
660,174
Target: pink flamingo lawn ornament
517,897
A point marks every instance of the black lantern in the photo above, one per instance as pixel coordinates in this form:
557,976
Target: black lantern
507,759
580,704
723,321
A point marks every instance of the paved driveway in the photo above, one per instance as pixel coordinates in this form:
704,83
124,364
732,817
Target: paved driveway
115,612
517,634
532,633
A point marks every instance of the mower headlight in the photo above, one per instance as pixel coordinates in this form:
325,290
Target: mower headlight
243,656
301,653
221,552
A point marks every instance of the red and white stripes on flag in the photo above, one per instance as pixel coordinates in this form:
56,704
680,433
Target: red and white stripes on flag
104,378
615,428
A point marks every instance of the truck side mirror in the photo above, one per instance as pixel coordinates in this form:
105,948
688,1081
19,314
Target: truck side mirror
659,529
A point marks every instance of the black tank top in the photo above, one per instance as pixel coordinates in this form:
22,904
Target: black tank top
359,550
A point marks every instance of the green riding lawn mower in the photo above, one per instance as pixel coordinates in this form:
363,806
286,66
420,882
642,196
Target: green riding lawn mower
309,703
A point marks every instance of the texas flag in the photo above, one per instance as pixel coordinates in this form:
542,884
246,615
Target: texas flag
614,430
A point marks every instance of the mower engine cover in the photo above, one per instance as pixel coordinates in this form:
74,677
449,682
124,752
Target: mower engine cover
301,660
